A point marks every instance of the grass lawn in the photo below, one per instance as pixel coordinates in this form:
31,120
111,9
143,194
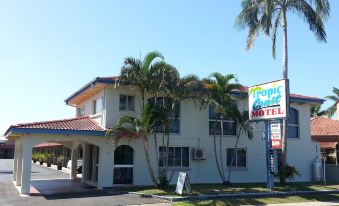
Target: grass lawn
261,201
198,189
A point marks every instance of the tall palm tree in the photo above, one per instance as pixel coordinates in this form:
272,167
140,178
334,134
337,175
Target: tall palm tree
243,126
267,16
220,88
142,74
138,128
335,98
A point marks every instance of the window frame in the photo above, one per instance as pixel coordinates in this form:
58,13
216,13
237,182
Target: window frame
95,106
126,103
294,125
226,120
80,110
174,167
236,167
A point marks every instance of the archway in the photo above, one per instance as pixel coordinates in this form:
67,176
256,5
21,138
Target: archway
123,165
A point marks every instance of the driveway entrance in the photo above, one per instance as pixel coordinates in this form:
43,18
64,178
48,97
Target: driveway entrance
86,195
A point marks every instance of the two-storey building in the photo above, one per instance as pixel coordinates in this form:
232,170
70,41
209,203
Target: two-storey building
101,102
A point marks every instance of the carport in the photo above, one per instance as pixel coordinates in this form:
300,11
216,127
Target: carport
73,132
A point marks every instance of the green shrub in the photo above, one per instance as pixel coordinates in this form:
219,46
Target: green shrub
289,172
60,160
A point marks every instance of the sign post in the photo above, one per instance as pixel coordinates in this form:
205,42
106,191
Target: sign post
268,102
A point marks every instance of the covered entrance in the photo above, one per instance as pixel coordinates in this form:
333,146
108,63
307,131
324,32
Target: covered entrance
123,165
72,132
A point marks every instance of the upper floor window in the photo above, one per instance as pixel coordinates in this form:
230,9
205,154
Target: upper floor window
174,116
177,156
126,103
293,123
240,157
81,111
229,125
97,106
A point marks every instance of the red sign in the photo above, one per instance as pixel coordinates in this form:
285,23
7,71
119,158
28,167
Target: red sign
275,135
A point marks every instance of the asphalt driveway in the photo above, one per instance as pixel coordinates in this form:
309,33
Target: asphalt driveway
10,197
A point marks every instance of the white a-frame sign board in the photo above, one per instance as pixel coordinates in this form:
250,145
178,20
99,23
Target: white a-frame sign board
183,180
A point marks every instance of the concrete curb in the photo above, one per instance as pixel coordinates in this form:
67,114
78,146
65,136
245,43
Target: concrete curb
236,196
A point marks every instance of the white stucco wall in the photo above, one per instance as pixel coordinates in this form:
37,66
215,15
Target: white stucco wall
194,130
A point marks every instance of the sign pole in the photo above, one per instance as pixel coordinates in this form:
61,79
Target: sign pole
268,171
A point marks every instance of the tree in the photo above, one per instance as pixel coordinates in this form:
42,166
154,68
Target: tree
243,126
137,73
267,16
335,98
220,89
133,127
316,111
141,74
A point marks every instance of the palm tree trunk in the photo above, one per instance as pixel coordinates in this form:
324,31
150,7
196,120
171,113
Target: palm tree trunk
156,150
216,154
148,161
285,76
220,151
233,156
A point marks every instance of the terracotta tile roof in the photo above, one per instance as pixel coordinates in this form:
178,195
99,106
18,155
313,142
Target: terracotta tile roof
328,145
322,126
48,145
296,96
79,124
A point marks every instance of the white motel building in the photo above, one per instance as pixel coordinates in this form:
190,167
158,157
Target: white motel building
101,102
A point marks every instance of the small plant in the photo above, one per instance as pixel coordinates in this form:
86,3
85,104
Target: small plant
289,172
49,159
35,157
60,161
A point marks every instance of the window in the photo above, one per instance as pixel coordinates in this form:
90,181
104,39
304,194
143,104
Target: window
97,106
177,156
175,116
240,158
81,111
229,126
293,123
126,103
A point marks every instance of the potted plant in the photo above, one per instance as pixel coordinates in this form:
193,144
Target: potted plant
35,157
41,158
60,161
49,160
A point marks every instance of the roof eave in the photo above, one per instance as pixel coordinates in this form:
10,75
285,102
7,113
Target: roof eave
14,131
88,85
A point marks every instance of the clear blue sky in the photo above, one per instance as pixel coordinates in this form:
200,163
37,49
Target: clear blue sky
49,49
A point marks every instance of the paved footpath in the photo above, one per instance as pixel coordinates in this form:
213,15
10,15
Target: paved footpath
9,195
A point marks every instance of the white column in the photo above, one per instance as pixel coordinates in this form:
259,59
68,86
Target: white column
74,159
15,164
19,166
26,168
85,163
105,171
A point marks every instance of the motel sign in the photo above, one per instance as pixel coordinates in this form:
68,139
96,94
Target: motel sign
267,101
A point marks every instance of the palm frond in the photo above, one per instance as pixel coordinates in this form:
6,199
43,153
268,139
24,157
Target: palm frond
315,22
149,58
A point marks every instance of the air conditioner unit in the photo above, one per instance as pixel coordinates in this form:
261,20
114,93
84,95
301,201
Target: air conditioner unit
198,154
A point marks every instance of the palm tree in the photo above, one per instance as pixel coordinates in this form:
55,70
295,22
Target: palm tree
243,126
137,73
335,98
316,111
138,128
267,16
220,88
